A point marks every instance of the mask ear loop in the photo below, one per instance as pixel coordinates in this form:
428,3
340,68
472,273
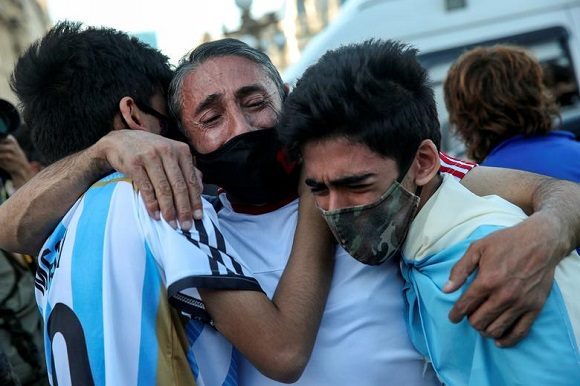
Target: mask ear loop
419,189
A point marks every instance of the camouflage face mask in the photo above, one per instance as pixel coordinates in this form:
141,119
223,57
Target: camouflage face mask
373,233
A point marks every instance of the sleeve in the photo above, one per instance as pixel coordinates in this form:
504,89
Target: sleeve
454,167
199,258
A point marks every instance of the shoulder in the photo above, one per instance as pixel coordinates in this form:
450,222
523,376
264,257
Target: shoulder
454,166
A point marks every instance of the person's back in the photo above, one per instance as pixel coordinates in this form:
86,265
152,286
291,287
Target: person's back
500,105
440,234
104,252
556,154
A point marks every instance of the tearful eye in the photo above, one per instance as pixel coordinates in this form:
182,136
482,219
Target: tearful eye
255,100
256,103
209,120
318,191
359,187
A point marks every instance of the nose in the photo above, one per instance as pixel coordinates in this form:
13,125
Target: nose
333,201
239,123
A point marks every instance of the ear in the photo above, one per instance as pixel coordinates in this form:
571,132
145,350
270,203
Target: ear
130,114
286,91
36,167
426,162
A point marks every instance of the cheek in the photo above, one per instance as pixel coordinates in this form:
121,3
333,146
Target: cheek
264,119
322,202
206,141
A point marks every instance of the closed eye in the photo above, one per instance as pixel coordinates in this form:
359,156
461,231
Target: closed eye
209,119
256,103
359,187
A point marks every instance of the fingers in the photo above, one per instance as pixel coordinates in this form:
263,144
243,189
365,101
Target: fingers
503,324
468,303
141,180
193,183
519,331
179,191
162,170
162,189
491,318
464,267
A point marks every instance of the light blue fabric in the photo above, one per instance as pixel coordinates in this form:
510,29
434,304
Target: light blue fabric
460,355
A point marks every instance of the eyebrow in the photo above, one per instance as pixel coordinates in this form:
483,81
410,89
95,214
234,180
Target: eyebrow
209,101
213,99
250,89
343,181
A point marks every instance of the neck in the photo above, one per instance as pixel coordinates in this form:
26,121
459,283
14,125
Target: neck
242,207
429,189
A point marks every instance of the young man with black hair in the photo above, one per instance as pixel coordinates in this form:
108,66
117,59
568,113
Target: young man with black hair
365,121
108,272
228,93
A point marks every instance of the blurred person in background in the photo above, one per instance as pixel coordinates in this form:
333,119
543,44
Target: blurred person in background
499,104
20,322
7,376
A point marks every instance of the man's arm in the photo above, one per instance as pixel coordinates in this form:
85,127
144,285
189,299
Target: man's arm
516,265
278,336
161,168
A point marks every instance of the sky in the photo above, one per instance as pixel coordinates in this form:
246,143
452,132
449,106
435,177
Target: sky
177,24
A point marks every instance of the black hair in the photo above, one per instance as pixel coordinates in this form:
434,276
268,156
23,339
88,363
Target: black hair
70,83
218,48
375,93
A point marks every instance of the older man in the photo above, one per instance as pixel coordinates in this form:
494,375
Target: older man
228,97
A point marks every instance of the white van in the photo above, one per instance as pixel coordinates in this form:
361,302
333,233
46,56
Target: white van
443,29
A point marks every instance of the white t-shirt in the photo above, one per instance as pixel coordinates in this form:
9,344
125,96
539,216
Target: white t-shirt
362,338
106,278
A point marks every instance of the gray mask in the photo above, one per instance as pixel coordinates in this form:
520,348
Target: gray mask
373,233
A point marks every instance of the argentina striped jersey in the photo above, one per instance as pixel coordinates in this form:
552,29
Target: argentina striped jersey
108,277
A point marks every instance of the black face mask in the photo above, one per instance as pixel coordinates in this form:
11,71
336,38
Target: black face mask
251,167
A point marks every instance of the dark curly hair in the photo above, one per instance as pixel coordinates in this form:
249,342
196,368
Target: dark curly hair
495,93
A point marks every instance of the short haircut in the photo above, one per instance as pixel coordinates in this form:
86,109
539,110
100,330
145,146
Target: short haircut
375,93
218,48
495,93
70,83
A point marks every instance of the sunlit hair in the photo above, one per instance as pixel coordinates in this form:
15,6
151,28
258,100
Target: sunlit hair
214,49
494,93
